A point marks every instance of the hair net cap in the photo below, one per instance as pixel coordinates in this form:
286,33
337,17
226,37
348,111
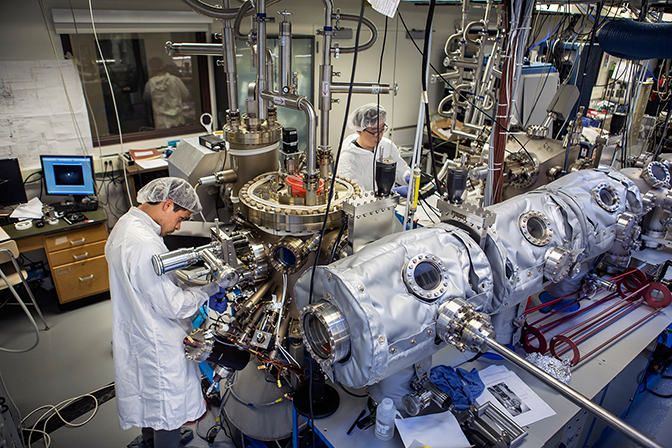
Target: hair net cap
367,116
164,188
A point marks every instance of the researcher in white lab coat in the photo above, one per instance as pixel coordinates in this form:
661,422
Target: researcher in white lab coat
157,388
168,96
368,144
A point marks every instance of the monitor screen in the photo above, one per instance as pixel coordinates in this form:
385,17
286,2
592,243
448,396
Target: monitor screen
68,175
12,190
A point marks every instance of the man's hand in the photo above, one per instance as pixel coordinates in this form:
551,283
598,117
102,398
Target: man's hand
401,191
218,301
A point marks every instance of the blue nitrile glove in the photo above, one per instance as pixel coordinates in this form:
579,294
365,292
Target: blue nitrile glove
401,191
218,301
407,179
462,386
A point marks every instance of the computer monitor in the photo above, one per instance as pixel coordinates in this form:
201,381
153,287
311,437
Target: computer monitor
68,175
12,190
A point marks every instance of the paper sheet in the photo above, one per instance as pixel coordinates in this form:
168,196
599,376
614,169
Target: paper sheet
3,235
30,210
386,7
509,393
35,115
434,430
151,163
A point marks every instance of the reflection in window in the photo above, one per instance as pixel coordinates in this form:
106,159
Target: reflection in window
153,91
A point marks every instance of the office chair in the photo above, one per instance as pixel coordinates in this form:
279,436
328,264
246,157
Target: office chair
13,274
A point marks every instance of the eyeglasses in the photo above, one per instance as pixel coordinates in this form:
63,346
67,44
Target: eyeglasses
377,131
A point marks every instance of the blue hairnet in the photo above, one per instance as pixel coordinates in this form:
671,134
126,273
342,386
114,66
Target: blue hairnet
164,188
367,116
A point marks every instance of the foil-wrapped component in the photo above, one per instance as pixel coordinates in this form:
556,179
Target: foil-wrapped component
559,369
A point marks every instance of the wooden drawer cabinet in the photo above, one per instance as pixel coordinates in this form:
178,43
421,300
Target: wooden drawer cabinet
81,279
78,253
77,262
77,237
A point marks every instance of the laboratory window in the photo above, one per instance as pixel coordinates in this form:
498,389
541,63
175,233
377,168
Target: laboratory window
156,95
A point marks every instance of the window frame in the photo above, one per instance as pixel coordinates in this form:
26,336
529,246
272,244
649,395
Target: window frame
204,87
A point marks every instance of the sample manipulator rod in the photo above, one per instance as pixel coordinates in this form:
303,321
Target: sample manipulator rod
572,395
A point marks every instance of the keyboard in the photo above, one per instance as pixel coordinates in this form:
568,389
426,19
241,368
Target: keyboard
76,207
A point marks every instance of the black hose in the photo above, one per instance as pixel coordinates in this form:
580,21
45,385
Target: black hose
627,39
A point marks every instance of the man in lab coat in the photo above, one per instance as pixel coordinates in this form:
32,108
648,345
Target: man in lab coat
157,388
360,150
167,94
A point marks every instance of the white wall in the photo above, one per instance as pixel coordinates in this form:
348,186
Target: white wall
24,37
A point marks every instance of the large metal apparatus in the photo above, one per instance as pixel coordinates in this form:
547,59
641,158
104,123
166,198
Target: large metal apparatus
277,190
467,288
374,316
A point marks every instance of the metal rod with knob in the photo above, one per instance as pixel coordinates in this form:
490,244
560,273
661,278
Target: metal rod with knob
572,395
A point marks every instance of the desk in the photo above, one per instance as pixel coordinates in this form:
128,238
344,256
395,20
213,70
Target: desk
76,254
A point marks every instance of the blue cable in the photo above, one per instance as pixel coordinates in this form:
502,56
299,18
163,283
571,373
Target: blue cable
547,36
651,72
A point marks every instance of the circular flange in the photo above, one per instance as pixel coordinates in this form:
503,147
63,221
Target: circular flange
288,255
426,277
656,174
626,227
522,169
558,263
198,346
252,252
536,228
262,210
325,333
606,197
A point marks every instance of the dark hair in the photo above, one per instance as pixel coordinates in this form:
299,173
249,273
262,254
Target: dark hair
176,208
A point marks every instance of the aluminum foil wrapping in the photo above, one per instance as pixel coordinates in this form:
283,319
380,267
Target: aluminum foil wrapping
558,369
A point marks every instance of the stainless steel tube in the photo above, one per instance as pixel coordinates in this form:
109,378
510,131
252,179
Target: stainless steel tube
285,64
326,76
229,43
300,103
211,11
270,70
311,144
573,395
178,259
369,24
361,87
183,49
261,59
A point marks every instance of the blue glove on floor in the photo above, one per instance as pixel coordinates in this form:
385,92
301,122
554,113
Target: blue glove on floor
218,301
462,386
401,191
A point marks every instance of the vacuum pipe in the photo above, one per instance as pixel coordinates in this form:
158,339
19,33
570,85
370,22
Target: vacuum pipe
261,59
229,43
572,395
363,87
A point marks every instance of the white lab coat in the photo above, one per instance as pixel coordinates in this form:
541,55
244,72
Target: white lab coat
167,93
156,385
357,163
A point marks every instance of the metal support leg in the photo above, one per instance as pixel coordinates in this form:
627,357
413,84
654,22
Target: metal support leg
30,293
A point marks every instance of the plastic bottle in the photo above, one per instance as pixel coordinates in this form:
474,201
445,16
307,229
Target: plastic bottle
385,419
